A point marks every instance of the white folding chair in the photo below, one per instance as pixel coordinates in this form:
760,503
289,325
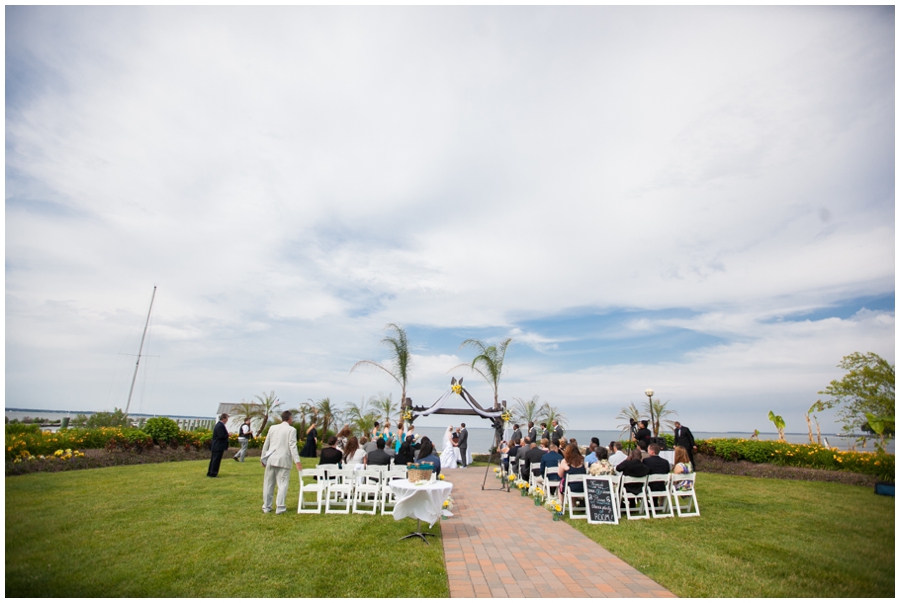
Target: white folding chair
340,491
388,498
642,508
660,502
367,493
319,487
684,486
535,479
551,481
570,497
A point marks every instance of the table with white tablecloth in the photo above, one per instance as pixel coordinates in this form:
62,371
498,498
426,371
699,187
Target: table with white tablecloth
669,455
423,502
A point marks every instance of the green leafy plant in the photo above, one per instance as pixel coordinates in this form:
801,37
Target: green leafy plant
779,424
488,362
867,388
163,430
400,358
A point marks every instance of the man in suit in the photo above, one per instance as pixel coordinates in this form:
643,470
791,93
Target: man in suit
278,452
463,444
685,439
533,458
550,461
520,457
616,455
532,432
545,433
656,464
377,456
218,446
516,436
557,430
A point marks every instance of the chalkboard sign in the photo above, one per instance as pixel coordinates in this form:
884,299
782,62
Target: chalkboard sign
601,503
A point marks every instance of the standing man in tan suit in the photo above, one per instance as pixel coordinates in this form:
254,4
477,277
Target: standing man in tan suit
278,452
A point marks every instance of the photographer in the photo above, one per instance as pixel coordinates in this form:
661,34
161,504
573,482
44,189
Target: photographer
642,434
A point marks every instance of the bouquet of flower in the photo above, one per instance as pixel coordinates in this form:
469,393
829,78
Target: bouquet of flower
406,415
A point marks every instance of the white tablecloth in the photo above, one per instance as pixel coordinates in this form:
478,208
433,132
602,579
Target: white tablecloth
669,455
421,502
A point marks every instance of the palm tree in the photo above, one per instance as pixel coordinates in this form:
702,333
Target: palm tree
528,411
659,411
243,410
400,358
488,363
361,417
268,406
551,413
385,406
325,413
629,413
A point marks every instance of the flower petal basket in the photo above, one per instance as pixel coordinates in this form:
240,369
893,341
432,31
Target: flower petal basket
419,473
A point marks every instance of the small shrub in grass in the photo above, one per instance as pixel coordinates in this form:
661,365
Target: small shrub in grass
880,465
19,428
163,430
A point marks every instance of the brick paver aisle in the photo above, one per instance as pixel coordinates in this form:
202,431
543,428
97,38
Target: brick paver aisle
497,544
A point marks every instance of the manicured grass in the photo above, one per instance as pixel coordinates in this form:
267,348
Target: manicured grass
760,537
166,530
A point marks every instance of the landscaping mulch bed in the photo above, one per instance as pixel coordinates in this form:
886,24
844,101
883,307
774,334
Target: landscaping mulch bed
95,458
714,464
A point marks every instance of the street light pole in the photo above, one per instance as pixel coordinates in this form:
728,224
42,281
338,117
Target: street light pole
649,394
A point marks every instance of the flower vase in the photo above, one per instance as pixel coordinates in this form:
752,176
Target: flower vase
524,491
557,516
537,501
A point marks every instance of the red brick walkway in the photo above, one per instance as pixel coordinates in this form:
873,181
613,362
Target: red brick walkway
498,544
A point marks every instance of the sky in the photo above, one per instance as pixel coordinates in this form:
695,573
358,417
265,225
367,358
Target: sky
694,200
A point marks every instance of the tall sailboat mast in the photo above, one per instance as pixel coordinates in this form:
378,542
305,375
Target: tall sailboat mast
140,349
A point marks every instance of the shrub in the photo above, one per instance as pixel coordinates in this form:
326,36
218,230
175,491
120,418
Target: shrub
16,428
800,455
163,430
117,418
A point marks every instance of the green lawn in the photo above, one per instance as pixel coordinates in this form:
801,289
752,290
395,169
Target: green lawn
166,530
760,537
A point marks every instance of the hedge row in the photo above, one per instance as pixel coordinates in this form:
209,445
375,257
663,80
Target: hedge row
800,455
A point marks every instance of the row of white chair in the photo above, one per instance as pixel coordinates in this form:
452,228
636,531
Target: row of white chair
660,495
342,490
649,502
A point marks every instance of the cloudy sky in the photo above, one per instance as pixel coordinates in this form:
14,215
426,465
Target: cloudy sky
696,200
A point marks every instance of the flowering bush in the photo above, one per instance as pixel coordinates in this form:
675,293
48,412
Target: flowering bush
800,455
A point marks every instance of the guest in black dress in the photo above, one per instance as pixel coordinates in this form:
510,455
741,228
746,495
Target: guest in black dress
405,454
309,449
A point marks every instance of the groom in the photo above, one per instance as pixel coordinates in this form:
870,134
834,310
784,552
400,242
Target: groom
463,443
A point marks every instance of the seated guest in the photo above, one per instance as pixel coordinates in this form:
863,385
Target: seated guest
342,437
367,444
511,453
427,455
520,456
572,464
633,467
682,467
596,442
405,455
545,444
591,457
616,455
533,459
378,456
642,445
353,454
551,461
601,466
330,455
561,444
503,449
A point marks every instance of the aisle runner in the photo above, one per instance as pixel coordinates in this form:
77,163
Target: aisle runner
500,544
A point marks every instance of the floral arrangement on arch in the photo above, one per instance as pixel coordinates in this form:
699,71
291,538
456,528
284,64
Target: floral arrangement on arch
407,415
457,389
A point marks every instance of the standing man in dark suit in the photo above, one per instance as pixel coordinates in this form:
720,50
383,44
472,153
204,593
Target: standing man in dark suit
685,439
463,443
218,445
532,432
516,436
557,430
546,434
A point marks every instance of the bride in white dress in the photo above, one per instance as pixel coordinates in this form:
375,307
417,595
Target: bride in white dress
448,454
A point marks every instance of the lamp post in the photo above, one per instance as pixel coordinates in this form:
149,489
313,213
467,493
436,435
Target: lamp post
649,394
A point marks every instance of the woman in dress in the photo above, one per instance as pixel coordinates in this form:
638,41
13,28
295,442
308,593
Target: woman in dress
342,437
683,467
572,464
405,454
353,454
601,466
330,454
309,449
448,454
